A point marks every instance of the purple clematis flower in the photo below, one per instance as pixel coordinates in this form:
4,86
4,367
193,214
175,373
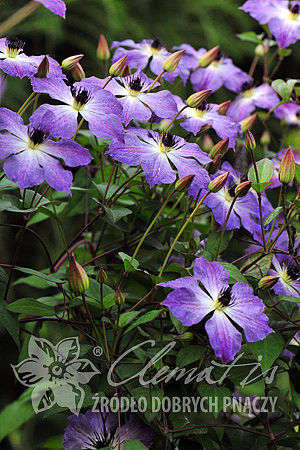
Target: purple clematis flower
151,52
13,61
99,108
94,430
282,17
245,210
220,72
31,157
2,86
289,279
58,7
136,102
155,152
207,114
263,97
190,304
289,113
276,163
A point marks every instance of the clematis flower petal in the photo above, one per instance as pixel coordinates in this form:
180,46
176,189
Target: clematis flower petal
212,275
58,7
24,169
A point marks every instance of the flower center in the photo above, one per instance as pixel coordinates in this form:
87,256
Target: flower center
290,273
168,141
14,47
294,12
224,300
248,89
155,46
81,97
201,110
135,86
36,138
103,440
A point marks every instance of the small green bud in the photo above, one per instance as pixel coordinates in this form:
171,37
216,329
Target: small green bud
287,167
71,61
186,337
195,100
242,189
267,282
43,68
119,297
183,184
220,148
250,142
209,57
117,69
78,279
265,138
172,61
223,107
78,73
103,52
260,50
248,123
101,276
215,165
218,183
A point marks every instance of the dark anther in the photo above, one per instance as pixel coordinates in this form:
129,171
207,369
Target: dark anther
168,140
156,43
225,297
247,86
81,96
136,84
295,9
37,136
292,271
15,44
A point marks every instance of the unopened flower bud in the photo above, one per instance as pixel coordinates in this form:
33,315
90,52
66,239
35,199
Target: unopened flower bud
186,337
126,71
195,100
207,143
172,61
101,276
267,282
116,69
218,183
250,142
242,189
204,129
223,108
220,148
260,50
71,62
43,68
265,138
215,165
287,167
78,279
247,123
119,297
183,184
103,52
209,56
78,73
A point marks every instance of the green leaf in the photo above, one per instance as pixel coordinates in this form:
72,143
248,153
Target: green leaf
15,414
265,170
260,268
180,328
54,443
235,273
3,276
31,307
10,323
148,317
250,36
116,213
127,317
273,216
188,355
217,394
284,52
269,349
134,445
213,241
52,277
289,298
297,172
282,89
128,265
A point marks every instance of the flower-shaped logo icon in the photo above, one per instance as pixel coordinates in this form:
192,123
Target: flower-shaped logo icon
55,374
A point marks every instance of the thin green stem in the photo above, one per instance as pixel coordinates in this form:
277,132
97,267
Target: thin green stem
180,233
224,227
18,16
78,128
151,225
274,221
259,202
273,109
284,190
175,117
25,104
156,80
